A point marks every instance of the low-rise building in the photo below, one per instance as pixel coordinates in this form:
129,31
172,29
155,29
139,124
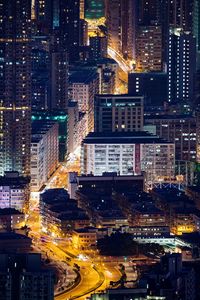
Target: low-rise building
107,181
14,191
84,238
11,242
145,215
166,280
193,192
149,231
60,214
185,221
181,212
11,218
102,210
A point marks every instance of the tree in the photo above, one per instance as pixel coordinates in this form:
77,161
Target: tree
118,244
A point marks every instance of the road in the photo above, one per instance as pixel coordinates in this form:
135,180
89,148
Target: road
123,64
95,273
60,177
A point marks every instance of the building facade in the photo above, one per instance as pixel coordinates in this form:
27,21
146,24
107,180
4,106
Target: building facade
121,24
149,48
181,66
69,14
44,152
14,191
118,113
15,86
11,218
128,154
180,129
98,46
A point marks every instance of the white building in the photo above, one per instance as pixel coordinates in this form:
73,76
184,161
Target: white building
128,153
84,84
44,152
14,191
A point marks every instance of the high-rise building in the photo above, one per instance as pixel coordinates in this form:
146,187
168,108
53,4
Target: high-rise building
44,152
180,14
98,45
181,66
84,84
83,32
128,28
69,27
148,11
73,118
40,75
43,11
198,137
121,24
113,24
149,48
176,13
15,86
151,85
196,28
94,9
59,116
59,80
82,9
118,113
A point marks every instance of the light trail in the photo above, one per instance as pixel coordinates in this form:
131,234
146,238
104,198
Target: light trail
123,64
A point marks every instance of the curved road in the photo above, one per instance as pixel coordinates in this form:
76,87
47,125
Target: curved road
93,277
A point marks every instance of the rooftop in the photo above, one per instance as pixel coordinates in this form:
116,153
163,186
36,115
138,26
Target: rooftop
72,103
135,137
54,195
147,209
74,216
172,195
127,96
13,179
10,211
83,76
86,230
13,236
169,117
40,127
